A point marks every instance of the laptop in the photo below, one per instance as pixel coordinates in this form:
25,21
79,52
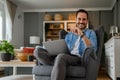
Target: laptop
57,46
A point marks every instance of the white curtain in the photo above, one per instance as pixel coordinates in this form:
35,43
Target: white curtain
8,35
9,10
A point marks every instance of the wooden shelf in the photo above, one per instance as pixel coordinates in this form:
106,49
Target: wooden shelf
55,28
52,35
51,28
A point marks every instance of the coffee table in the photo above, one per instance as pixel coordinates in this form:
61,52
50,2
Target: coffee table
16,63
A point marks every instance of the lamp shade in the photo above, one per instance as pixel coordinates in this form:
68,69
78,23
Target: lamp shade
34,40
113,29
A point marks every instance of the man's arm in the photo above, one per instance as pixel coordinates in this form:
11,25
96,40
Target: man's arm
79,32
86,40
89,42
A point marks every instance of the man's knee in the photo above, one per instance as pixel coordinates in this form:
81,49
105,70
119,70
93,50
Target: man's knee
60,56
60,59
40,50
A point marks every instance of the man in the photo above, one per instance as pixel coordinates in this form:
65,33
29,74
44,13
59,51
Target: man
77,41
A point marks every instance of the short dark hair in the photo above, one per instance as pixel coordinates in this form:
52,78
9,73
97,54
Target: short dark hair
82,11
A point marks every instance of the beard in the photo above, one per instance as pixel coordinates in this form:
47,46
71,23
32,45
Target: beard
81,26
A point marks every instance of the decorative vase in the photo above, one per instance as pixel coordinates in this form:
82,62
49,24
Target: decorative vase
5,56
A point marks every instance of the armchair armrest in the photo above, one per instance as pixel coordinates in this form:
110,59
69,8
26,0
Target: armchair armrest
90,62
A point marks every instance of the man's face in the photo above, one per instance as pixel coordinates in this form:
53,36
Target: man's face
82,20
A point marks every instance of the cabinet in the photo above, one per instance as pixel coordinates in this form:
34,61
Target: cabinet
112,57
51,29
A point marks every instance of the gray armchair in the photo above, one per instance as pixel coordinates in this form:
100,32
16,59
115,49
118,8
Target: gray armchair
88,70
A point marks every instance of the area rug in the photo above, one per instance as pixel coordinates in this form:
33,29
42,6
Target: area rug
17,77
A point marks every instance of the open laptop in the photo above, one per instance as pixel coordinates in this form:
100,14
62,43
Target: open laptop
57,46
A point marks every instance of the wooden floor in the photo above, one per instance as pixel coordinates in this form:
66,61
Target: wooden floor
103,75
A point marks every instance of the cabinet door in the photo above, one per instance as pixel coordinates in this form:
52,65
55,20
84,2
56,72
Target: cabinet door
52,30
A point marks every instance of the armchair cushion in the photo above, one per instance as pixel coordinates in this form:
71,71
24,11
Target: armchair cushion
72,71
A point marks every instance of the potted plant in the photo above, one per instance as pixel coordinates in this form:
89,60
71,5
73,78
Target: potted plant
6,50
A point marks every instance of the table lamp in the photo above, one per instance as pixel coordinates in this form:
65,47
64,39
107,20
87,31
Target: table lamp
34,40
113,30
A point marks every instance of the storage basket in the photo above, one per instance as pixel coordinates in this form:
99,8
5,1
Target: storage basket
71,16
47,17
58,17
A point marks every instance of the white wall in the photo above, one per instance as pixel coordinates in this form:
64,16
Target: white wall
18,29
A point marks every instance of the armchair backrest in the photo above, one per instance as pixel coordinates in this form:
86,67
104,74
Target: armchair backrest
62,34
100,41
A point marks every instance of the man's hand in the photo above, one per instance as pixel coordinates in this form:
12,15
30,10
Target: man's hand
76,31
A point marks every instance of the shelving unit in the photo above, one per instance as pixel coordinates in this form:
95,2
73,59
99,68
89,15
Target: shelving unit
51,29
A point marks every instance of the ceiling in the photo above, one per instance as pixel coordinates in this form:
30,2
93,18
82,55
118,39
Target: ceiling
63,5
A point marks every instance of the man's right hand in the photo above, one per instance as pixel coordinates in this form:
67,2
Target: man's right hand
76,31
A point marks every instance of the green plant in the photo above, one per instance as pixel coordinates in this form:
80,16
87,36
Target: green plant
6,47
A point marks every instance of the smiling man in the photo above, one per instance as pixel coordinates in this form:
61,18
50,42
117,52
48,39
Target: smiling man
81,33
78,39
